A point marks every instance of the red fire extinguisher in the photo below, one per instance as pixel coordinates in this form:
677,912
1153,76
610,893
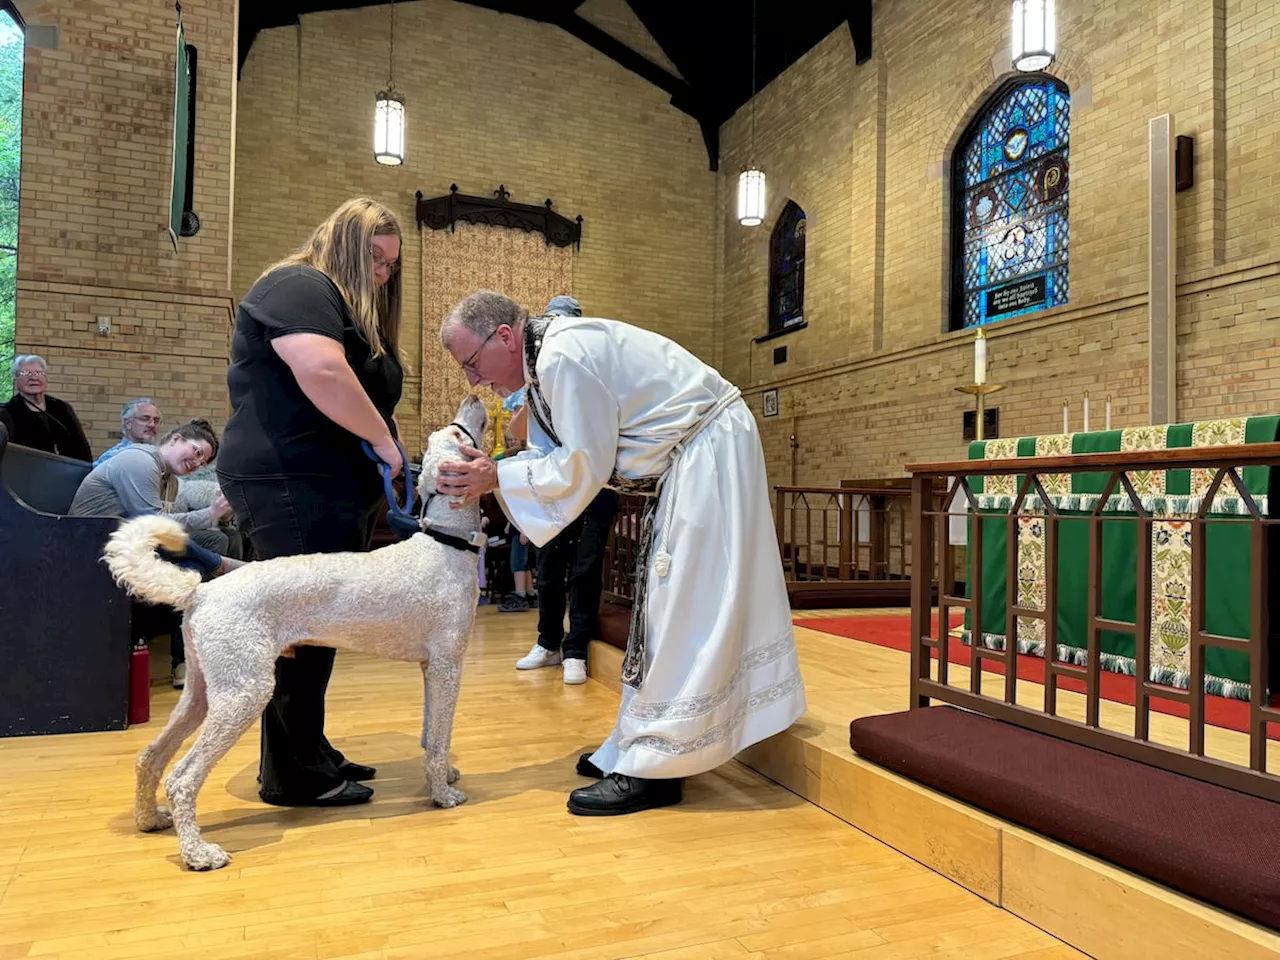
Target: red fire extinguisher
140,683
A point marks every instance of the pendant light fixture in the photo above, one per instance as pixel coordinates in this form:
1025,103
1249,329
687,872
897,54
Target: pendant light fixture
388,112
751,181
1034,34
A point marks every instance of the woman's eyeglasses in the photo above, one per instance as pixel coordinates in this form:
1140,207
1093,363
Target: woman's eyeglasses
380,261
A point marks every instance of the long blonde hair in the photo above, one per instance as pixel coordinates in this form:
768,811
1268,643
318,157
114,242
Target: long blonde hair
341,249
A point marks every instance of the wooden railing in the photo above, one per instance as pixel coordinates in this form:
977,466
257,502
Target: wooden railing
845,546
931,541
840,546
620,555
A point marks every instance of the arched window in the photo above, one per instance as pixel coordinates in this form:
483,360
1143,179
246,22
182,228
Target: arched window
786,269
12,49
1009,181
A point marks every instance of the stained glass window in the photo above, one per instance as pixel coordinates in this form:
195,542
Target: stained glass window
12,46
786,269
1011,194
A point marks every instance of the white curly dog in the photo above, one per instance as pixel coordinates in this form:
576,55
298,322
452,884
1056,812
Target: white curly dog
413,600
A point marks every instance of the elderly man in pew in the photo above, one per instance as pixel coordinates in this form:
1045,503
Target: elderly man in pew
131,484
35,419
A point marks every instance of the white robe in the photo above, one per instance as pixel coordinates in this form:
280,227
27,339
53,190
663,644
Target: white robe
720,670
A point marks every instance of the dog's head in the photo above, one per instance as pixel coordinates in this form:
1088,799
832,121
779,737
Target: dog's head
445,445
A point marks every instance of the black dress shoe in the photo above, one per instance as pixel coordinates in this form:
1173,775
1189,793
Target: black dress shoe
586,768
349,795
617,794
356,772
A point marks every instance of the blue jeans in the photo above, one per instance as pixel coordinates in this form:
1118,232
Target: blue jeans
520,553
197,558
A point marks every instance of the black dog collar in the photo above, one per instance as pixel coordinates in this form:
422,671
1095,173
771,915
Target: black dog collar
467,432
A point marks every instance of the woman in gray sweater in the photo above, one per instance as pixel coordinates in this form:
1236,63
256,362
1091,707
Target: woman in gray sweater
131,484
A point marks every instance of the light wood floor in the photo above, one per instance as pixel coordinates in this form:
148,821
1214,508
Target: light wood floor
742,869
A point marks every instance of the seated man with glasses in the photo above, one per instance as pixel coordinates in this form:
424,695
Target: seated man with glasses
131,484
140,421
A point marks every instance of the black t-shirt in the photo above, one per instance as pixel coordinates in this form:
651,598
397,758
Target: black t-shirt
274,430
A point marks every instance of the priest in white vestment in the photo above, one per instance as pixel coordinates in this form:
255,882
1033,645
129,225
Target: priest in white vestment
711,664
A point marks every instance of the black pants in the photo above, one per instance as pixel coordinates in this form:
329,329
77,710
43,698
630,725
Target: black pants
285,517
573,564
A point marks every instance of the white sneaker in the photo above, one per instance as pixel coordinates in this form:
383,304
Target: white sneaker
575,671
179,676
538,656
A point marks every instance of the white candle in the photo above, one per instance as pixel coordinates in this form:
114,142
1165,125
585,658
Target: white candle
1066,417
1108,411
980,358
1085,428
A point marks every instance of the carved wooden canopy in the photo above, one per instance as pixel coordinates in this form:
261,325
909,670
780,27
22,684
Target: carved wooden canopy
498,211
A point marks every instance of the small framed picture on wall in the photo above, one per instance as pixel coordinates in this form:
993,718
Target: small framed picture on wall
771,402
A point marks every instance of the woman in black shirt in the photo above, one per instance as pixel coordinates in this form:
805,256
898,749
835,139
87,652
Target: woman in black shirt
314,372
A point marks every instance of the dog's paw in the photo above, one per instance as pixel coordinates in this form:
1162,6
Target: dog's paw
454,775
157,818
448,797
205,856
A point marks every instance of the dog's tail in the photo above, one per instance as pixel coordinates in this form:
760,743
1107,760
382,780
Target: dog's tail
131,556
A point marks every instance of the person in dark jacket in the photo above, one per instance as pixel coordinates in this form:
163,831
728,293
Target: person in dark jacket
35,419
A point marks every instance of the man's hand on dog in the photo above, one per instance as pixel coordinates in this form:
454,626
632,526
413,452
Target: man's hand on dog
469,481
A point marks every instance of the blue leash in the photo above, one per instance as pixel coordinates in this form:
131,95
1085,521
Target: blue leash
400,519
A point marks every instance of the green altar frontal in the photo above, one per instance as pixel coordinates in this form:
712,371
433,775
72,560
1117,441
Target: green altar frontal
1172,497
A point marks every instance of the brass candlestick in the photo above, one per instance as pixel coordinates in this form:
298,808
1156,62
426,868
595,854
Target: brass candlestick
980,391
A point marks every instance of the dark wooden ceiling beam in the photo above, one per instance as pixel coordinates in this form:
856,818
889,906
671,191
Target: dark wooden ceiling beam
624,56
860,30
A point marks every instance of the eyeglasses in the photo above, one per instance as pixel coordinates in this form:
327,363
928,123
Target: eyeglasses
198,453
470,362
31,374
149,420
380,261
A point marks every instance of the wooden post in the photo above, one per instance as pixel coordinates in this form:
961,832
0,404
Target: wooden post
847,546
779,521
921,585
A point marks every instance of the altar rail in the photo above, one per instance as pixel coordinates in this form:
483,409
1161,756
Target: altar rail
620,554
932,543
846,546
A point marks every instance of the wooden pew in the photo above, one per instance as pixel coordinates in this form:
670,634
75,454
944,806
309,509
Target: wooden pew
64,625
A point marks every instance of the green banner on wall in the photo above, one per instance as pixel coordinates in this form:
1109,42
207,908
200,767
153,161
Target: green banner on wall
181,129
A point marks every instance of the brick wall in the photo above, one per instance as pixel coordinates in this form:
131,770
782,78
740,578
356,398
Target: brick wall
93,241
490,99
497,99
865,150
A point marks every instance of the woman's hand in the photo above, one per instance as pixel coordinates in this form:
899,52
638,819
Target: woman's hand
467,481
389,454
219,508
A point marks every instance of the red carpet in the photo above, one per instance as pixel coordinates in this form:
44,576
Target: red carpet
894,631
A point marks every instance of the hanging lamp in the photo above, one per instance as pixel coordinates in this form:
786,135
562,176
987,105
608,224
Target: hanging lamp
751,181
388,113
1034,34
